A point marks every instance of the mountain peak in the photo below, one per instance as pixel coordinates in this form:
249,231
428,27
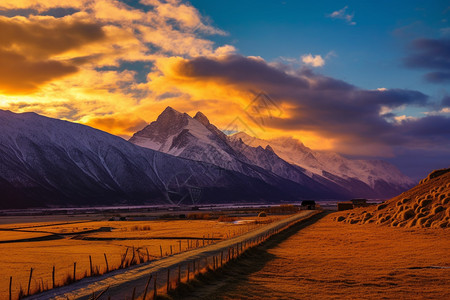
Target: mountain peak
199,116
268,148
169,112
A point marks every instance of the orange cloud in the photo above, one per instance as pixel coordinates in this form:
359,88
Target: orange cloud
119,124
41,37
19,75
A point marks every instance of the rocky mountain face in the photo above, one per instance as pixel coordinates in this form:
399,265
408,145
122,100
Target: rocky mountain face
197,139
47,162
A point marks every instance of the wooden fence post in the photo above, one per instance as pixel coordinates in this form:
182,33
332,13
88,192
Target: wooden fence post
148,255
188,269
29,282
146,286
160,250
74,271
134,293
168,280
90,263
53,277
10,285
106,261
155,287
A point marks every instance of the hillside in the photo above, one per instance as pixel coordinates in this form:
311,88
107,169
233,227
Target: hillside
425,205
47,162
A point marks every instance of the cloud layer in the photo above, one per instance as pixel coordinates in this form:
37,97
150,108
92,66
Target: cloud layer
431,54
116,67
334,109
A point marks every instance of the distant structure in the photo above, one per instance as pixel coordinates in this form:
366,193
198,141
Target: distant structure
359,202
309,204
345,205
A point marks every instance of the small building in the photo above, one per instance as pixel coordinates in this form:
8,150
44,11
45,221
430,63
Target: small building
359,202
344,205
309,204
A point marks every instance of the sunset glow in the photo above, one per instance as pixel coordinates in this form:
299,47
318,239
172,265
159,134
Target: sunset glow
115,65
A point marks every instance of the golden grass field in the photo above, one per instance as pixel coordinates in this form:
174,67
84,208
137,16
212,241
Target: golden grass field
18,257
331,260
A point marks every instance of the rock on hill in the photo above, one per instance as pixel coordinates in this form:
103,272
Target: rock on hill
425,205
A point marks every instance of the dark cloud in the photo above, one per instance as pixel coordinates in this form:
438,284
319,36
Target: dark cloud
18,75
433,55
236,68
330,107
48,36
27,48
438,77
445,101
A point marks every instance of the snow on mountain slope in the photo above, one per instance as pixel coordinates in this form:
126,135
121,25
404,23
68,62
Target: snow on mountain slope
181,135
49,162
197,139
323,163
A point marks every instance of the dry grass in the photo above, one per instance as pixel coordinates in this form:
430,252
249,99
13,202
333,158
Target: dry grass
330,260
62,253
226,218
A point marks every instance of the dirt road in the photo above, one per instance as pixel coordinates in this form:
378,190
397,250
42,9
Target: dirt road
122,282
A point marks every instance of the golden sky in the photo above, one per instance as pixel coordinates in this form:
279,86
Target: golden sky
116,67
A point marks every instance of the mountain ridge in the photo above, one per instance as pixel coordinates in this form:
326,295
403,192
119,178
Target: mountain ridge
298,163
47,162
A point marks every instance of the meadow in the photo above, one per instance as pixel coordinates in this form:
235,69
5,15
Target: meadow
332,260
94,244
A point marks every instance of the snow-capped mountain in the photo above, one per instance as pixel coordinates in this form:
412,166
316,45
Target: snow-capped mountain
197,139
330,164
49,162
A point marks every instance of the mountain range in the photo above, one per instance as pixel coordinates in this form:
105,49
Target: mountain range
196,138
47,162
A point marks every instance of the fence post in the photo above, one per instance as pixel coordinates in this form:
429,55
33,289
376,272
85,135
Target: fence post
160,250
74,270
134,293
155,287
168,280
188,269
106,261
146,286
10,284
29,282
90,263
53,277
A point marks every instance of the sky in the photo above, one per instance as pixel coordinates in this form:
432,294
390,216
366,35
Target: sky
366,79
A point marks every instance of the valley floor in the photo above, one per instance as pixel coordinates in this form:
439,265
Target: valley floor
331,260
